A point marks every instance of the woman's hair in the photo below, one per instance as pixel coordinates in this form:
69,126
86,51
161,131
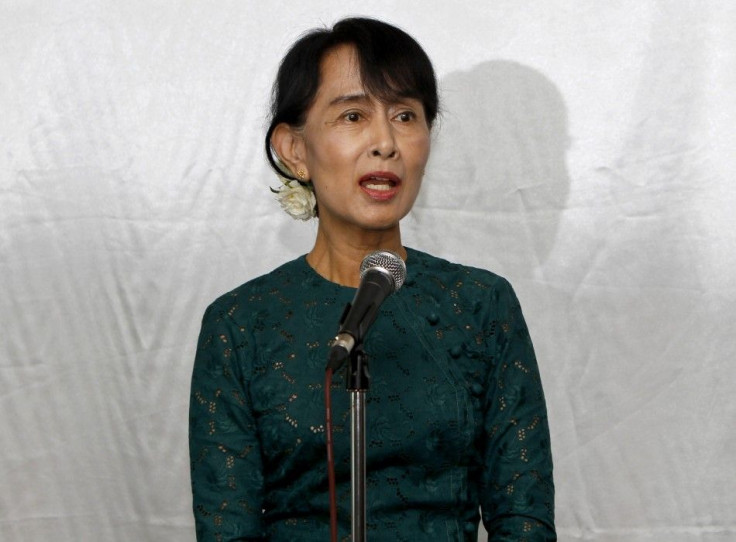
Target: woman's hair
392,65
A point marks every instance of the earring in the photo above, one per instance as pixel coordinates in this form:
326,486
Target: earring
301,174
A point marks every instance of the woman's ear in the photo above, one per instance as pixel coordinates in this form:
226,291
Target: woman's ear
288,143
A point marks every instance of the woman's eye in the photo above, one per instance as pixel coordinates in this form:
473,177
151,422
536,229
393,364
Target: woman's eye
352,116
406,116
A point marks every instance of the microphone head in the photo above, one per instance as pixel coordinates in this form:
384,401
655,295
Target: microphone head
387,262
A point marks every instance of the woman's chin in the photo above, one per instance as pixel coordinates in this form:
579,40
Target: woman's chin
382,222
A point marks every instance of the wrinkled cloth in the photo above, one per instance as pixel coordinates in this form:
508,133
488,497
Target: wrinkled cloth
456,417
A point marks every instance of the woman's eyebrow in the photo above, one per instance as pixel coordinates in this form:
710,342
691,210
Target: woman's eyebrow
348,98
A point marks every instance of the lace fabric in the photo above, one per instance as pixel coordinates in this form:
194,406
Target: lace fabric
456,418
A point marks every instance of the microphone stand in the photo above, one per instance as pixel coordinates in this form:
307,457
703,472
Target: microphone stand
381,273
358,384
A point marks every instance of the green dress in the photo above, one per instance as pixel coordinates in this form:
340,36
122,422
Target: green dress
456,418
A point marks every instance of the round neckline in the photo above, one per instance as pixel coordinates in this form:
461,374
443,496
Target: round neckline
314,272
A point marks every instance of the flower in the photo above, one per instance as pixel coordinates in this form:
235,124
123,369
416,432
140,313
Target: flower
296,199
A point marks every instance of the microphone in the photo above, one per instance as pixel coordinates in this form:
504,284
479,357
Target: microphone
381,274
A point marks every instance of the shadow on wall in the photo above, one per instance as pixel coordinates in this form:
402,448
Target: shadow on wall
500,154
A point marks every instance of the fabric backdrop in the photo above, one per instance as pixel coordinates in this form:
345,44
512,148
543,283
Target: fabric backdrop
585,152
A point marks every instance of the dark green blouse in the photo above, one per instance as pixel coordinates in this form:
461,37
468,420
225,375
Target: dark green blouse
456,418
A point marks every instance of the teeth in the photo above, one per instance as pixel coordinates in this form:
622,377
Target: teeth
372,186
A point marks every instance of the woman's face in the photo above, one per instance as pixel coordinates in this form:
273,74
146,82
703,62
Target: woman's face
365,157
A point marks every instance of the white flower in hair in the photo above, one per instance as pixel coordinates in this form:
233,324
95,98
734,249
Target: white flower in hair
296,199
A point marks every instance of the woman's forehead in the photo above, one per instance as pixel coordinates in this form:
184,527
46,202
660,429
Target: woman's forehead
341,80
340,71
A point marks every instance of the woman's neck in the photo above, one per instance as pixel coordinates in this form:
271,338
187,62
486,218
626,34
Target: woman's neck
337,257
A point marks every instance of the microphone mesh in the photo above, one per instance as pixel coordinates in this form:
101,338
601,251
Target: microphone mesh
386,261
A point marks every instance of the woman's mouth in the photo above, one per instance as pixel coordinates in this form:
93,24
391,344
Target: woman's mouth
380,185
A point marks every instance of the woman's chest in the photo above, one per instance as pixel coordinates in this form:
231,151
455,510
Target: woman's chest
423,402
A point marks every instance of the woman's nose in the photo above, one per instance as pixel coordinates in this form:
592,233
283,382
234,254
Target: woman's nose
383,142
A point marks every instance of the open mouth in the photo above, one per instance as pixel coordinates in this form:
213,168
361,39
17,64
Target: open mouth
378,183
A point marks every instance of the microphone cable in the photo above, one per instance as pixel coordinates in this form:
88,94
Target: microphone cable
330,455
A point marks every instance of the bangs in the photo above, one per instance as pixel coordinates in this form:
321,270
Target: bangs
392,63
391,78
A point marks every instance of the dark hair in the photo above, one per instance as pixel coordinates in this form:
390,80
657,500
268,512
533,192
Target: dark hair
392,64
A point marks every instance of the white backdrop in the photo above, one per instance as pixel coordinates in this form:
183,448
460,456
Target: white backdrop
586,152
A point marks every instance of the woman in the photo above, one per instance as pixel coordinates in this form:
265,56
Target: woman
456,414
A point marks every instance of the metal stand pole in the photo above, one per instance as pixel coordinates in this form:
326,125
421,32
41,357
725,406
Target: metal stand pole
357,456
358,384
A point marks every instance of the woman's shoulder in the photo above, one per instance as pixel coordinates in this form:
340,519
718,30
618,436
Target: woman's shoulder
260,291
428,268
